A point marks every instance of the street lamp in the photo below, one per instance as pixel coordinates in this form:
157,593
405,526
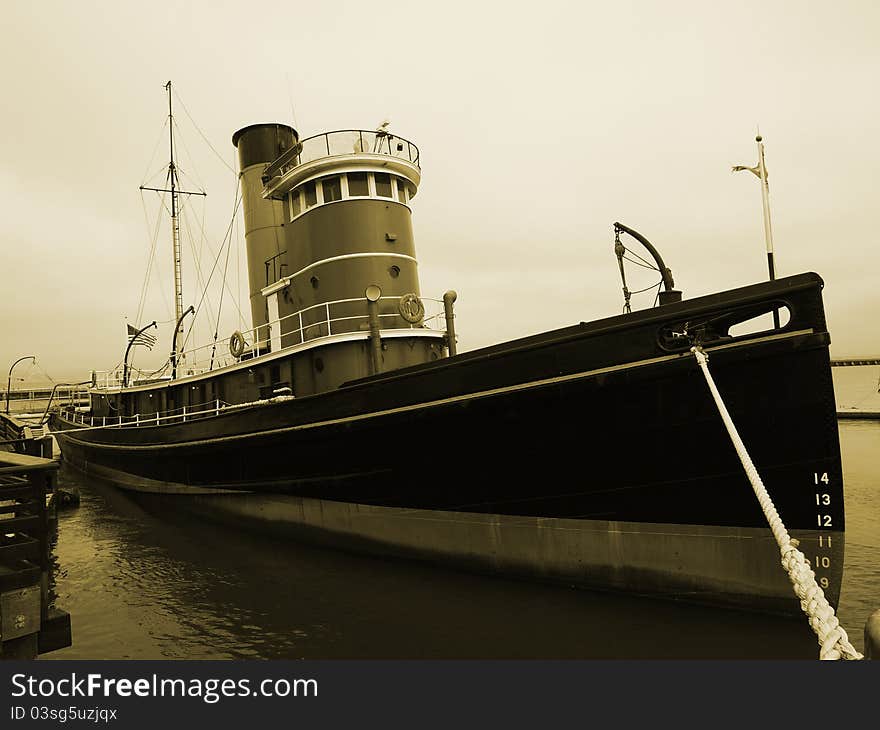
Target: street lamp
9,379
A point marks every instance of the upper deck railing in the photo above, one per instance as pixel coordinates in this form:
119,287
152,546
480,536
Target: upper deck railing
343,142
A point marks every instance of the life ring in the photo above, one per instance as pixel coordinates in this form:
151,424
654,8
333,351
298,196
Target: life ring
236,344
411,308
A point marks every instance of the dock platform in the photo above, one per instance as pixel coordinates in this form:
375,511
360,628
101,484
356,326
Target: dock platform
28,625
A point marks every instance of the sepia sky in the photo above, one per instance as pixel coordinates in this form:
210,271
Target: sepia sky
539,125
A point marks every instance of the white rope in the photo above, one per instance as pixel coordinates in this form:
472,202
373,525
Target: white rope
833,639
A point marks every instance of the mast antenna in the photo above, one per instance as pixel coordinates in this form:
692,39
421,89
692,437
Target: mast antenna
175,230
175,226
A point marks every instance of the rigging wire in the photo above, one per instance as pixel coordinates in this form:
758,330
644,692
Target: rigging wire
220,306
145,285
290,99
235,298
42,370
644,266
645,261
161,369
197,255
238,249
639,291
207,141
657,295
156,147
621,252
168,308
213,269
179,136
198,248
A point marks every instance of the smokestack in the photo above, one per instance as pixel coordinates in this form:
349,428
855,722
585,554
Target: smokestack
258,145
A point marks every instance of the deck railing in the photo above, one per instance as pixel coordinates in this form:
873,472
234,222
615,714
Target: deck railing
343,142
316,322
171,415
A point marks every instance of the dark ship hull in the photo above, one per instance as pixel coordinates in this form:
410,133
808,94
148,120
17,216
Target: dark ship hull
591,455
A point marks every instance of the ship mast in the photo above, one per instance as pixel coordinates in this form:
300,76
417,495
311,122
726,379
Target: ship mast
175,234
175,226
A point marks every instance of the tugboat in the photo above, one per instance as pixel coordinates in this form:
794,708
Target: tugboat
590,455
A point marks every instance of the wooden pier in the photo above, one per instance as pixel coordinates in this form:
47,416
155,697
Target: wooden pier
28,625
24,437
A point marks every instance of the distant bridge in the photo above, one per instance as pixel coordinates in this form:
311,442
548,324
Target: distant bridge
850,361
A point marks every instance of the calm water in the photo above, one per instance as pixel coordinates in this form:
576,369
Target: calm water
141,582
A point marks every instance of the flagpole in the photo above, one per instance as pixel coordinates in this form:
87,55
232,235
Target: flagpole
768,229
760,171
765,200
128,349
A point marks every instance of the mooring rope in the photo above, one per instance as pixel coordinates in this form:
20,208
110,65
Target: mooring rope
833,639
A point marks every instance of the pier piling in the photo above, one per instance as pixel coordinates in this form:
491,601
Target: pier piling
872,636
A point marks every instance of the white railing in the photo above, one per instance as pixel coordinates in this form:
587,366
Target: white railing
344,142
178,415
171,415
307,325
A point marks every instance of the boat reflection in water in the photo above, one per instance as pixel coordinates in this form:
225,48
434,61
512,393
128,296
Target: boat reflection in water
147,582
590,455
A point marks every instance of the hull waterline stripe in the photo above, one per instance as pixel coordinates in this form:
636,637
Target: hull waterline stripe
413,407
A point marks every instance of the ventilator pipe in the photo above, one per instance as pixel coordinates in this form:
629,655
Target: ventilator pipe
174,352
448,300
372,294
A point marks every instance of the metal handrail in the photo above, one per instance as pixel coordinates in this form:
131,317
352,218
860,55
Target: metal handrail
326,144
182,414
175,415
260,336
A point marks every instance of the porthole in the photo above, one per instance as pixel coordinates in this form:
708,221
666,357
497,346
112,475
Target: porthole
319,364
394,271
314,281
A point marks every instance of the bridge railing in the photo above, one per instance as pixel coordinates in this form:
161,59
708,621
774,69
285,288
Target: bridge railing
854,361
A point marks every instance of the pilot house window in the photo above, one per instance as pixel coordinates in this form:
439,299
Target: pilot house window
357,184
332,189
383,184
310,194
